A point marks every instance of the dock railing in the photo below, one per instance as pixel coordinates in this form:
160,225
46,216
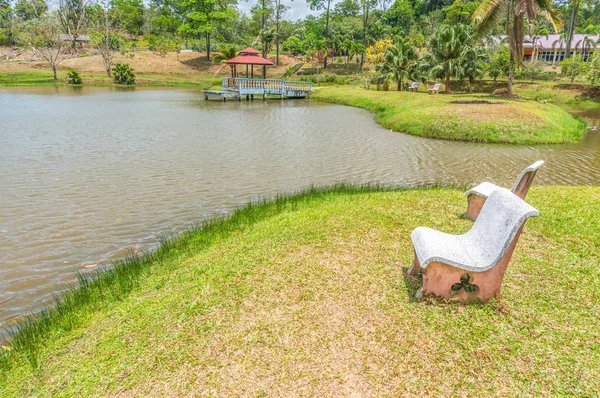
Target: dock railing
266,86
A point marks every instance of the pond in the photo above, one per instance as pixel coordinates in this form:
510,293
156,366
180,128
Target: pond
88,174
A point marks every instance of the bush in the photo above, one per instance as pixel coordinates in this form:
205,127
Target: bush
124,74
293,45
573,67
74,77
324,77
594,74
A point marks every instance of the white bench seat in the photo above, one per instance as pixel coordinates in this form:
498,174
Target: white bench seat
487,245
476,196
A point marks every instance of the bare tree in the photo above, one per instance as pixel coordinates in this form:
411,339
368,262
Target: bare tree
105,35
43,37
73,16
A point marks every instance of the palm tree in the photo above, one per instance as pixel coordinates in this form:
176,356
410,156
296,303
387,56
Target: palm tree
400,61
537,33
347,46
449,47
474,61
514,13
227,52
586,43
560,41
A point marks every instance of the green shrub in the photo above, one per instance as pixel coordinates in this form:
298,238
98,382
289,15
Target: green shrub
74,77
574,67
124,74
594,74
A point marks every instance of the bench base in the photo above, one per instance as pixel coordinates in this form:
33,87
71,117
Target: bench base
475,203
443,280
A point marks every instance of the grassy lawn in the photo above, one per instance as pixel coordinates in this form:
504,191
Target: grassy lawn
511,121
45,78
306,297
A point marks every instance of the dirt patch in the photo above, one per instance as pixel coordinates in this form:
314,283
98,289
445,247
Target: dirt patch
482,113
17,60
476,102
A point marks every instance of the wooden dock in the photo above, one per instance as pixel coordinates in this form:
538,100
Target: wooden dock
237,88
221,95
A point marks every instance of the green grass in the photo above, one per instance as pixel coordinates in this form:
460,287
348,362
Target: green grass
512,121
45,78
306,296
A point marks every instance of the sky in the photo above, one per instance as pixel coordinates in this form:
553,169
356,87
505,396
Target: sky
298,8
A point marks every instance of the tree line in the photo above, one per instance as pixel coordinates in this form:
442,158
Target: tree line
447,37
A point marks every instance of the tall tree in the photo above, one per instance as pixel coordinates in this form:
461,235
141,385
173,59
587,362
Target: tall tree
203,17
280,11
129,14
367,6
30,9
514,13
571,27
320,5
400,61
450,46
73,17
6,22
261,14
106,33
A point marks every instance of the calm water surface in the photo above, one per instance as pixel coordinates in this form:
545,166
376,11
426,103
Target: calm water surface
88,174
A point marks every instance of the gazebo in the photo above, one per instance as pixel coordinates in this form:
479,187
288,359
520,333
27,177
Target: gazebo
249,56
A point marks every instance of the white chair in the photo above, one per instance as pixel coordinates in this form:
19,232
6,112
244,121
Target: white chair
476,196
434,89
414,87
470,267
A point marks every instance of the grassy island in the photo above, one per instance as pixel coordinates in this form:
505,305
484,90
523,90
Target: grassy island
306,296
436,116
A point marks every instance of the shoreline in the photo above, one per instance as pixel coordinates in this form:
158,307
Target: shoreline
434,116
235,263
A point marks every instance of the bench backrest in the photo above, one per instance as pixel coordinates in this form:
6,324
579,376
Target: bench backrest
415,85
501,217
525,179
436,86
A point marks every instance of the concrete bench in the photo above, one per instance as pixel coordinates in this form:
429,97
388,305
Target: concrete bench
434,90
476,196
470,267
414,87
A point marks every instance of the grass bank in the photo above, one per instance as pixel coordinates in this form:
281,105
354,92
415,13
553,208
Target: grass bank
45,78
508,121
305,296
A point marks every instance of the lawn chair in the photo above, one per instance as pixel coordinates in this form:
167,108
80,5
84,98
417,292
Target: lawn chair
414,87
434,89
470,267
476,197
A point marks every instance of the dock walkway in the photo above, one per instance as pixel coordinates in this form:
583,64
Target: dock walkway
236,88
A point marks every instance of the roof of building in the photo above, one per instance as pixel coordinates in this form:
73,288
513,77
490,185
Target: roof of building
67,37
554,41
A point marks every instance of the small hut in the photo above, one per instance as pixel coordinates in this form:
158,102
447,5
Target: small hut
249,56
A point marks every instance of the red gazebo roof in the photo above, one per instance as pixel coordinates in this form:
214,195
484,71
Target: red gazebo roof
249,60
249,51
